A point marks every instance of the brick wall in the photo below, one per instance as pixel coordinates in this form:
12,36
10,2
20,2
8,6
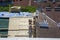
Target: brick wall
21,3
55,15
51,32
25,3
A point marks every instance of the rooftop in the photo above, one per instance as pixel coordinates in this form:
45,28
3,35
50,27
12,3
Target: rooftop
21,14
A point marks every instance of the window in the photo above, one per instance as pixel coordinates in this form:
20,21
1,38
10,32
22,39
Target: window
20,0
48,5
3,36
0,1
54,0
48,8
37,0
5,2
4,30
57,8
4,22
44,1
13,0
51,0
36,16
3,33
59,5
33,22
44,27
57,0
30,21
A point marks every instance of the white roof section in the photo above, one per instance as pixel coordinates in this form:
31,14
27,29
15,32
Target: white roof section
21,14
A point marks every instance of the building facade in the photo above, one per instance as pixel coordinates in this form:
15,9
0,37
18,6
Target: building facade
19,27
25,3
16,25
5,2
49,19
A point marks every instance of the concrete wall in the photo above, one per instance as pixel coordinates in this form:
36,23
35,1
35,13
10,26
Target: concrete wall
19,27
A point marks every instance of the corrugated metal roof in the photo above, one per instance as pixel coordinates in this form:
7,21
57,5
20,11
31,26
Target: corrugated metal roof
21,14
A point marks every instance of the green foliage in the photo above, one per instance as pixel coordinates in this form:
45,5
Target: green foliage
23,9
28,9
5,8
